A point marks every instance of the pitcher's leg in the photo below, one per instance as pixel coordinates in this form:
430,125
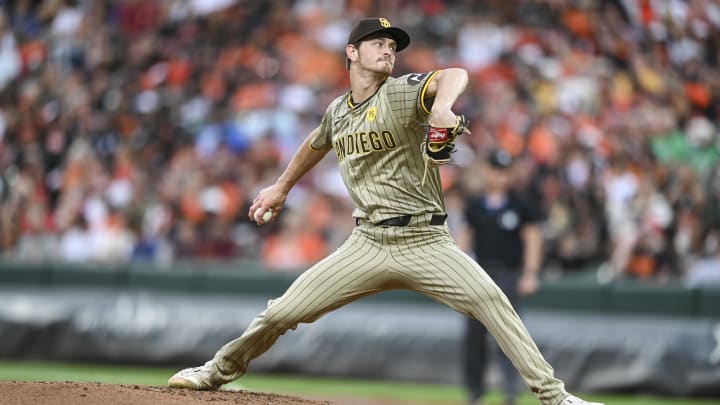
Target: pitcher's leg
353,271
450,276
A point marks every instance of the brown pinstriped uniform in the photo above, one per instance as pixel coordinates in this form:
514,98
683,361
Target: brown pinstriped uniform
378,147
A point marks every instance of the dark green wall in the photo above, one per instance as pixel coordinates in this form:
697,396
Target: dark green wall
248,278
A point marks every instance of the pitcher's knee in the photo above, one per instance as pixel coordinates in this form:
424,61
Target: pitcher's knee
490,293
281,317
488,297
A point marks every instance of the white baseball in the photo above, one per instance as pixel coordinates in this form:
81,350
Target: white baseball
265,217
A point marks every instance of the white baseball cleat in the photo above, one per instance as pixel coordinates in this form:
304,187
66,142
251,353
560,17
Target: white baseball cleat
194,378
573,400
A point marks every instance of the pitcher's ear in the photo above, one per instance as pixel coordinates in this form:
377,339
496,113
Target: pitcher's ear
351,51
350,54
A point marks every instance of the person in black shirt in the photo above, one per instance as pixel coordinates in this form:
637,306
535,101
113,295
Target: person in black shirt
507,243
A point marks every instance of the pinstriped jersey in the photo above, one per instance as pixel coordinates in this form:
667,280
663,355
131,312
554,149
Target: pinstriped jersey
378,146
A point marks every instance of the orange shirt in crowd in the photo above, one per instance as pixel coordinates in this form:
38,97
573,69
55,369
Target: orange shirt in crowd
293,250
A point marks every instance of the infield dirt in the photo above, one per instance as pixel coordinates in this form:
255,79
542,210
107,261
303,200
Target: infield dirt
70,393
74,393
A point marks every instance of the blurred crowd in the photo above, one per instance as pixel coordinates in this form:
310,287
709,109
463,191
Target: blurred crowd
140,130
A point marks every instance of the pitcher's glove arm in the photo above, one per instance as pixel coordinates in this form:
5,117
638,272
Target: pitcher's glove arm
440,142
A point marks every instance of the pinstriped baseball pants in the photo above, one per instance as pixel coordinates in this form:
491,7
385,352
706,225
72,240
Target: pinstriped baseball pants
417,257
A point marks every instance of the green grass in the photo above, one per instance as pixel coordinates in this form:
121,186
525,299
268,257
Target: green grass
294,385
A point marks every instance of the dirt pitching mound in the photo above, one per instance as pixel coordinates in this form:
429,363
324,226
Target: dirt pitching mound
70,393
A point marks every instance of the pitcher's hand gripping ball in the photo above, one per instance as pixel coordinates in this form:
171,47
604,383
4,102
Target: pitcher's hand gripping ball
265,216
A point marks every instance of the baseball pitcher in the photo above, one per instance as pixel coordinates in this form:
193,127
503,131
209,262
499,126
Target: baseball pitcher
389,135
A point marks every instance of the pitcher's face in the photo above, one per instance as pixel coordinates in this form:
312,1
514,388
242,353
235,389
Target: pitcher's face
376,54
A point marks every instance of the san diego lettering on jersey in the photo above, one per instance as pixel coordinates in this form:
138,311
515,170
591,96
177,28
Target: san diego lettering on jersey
362,143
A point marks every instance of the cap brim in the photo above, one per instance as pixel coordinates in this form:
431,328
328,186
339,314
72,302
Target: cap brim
402,39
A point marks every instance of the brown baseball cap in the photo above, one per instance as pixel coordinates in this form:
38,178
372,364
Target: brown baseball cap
369,26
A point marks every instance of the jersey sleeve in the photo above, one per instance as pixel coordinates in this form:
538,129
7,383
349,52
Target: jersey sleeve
323,138
530,211
407,93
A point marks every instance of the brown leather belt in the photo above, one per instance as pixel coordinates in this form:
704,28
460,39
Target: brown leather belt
436,219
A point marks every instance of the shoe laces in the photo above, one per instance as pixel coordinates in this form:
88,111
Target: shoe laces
197,369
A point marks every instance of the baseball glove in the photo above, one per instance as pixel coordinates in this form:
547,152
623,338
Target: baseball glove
440,143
